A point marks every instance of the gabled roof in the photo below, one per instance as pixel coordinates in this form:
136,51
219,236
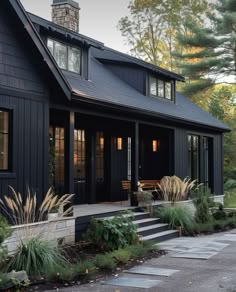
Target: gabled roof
37,40
107,88
50,26
113,56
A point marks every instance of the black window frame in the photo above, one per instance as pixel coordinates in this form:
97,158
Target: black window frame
10,139
151,77
67,54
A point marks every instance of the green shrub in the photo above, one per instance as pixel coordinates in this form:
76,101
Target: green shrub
5,232
105,261
60,273
84,268
139,250
202,203
176,215
37,257
121,256
220,213
111,234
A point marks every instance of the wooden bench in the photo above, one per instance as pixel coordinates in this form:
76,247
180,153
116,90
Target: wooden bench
151,184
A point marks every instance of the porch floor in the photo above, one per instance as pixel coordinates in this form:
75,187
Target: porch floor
106,207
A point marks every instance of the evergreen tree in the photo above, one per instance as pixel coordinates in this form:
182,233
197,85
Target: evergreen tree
214,60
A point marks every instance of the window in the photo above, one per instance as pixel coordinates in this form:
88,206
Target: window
4,140
160,88
193,157
67,58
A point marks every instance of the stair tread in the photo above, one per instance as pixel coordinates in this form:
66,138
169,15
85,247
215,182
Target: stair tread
158,234
133,214
152,227
145,220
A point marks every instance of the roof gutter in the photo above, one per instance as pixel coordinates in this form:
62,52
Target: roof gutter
91,100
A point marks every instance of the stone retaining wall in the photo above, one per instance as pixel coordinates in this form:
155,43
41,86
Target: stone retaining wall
61,230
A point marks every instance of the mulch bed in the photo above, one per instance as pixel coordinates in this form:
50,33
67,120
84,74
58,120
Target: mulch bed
83,251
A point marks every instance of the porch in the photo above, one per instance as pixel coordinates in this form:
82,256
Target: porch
90,155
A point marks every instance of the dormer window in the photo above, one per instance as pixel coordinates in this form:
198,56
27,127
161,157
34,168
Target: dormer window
67,57
160,88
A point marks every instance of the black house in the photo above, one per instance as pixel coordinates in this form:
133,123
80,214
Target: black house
85,117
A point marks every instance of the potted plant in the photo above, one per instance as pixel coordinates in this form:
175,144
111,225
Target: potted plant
144,199
53,213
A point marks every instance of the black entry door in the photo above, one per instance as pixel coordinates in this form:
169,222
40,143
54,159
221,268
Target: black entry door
80,166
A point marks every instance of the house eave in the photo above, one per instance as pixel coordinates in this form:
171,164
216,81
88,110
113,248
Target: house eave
83,98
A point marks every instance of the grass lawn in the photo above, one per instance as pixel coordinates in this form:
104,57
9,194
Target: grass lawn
230,199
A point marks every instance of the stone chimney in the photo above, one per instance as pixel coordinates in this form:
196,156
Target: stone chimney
66,14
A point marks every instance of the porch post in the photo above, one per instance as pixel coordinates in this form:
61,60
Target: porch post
69,153
135,162
91,166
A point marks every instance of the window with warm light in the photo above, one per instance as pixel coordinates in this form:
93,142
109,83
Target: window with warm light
119,143
101,143
155,145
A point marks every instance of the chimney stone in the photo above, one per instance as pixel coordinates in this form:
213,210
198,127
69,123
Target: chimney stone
66,13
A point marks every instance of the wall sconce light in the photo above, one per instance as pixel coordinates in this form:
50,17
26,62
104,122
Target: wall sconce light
155,145
119,143
101,143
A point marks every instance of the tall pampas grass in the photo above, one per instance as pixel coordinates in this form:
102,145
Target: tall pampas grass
174,189
26,211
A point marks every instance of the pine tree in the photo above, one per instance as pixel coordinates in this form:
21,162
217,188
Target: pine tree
214,60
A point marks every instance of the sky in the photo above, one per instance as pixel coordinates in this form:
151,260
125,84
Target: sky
98,19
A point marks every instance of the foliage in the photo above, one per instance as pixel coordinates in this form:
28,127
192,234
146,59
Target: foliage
5,232
202,203
13,282
111,234
36,257
140,249
84,268
105,261
150,29
216,57
26,211
121,256
220,213
175,216
144,198
61,273
174,189
230,199
213,225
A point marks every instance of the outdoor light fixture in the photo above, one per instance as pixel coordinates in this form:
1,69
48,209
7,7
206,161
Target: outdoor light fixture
119,143
101,143
155,145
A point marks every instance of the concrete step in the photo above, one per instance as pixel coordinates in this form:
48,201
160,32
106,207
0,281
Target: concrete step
146,222
136,215
152,229
161,236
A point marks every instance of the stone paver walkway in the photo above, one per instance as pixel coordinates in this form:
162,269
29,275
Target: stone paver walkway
182,270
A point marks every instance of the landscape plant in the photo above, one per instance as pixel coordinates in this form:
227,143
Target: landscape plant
176,216
36,257
105,261
174,189
202,202
121,256
5,232
111,234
